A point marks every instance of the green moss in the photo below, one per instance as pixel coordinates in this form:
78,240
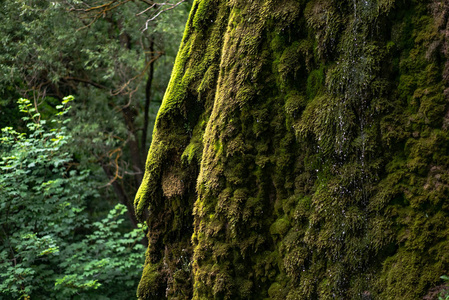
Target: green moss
315,83
405,275
275,291
301,152
290,61
202,13
294,105
150,284
280,227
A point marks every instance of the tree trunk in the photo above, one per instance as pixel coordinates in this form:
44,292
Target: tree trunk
301,152
148,94
121,195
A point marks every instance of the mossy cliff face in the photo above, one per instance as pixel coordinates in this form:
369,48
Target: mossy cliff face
302,152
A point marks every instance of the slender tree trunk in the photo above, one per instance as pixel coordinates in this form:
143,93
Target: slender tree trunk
129,115
121,194
148,97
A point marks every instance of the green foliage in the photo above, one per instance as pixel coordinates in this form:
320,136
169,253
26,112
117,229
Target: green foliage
49,247
48,197
444,295
53,48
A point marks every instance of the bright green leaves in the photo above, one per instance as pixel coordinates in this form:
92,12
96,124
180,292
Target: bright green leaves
104,258
48,246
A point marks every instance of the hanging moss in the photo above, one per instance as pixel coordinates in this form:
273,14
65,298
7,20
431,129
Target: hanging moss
301,152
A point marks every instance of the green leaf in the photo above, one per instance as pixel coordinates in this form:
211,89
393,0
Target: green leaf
68,99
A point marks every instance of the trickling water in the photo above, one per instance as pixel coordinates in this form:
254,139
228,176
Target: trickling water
352,117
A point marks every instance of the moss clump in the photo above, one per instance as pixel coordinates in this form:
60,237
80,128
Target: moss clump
315,83
280,227
294,105
276,291
150,286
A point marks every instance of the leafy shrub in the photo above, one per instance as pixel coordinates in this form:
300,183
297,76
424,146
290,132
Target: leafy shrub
49,249
444,295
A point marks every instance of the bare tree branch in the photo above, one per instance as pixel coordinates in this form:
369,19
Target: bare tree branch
120,90
97,85
160,5
147,9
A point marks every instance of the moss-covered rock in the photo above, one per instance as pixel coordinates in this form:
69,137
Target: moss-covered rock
302,152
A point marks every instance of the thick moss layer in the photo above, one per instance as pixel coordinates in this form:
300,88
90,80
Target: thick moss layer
302,152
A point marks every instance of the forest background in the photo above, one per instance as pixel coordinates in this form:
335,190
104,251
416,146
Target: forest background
80,86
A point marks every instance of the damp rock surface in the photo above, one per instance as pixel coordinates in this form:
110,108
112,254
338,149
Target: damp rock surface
302,152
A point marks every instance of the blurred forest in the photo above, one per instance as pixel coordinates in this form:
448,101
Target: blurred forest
80,86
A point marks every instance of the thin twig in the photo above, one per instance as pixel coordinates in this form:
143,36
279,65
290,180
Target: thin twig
119,91
161,11
146,9
97,85
118,152
100,11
